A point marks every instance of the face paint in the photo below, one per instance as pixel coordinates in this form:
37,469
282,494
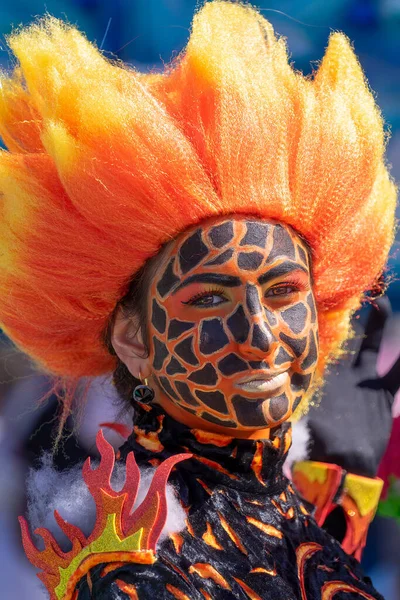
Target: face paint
233,326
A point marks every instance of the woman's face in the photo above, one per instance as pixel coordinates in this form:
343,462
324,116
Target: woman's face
233,326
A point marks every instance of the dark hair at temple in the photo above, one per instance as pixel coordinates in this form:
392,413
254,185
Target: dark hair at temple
133,304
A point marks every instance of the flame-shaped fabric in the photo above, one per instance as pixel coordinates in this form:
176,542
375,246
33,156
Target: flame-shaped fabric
105,164
119,535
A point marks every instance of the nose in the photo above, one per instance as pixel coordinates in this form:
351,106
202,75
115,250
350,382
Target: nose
260,339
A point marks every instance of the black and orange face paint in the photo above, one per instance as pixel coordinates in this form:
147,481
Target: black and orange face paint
233,332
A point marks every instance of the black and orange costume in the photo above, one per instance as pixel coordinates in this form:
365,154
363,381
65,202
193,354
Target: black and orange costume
246,528
247,536
234,197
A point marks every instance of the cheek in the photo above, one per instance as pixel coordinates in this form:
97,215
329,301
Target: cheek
303,343
183,349
192,361
297,329
296,318
212,336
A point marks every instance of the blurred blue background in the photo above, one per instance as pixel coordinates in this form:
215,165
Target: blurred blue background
147,34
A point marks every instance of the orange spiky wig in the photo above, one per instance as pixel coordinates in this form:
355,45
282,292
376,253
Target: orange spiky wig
104,165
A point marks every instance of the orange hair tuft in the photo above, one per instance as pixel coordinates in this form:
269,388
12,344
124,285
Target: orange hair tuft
106,164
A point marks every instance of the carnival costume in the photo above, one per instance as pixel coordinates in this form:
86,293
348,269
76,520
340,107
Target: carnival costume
105,166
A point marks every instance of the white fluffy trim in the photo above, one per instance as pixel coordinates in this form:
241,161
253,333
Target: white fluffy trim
66,492
300,448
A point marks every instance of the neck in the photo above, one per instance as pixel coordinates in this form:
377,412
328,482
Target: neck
195,422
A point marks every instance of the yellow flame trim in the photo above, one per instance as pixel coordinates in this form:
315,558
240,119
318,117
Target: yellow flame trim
108,541
364,491
314,471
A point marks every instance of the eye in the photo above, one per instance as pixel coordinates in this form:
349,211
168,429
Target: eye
207,299
281,290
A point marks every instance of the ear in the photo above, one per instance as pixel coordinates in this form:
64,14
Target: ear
127,342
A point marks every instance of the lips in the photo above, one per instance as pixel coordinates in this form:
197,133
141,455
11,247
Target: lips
265,383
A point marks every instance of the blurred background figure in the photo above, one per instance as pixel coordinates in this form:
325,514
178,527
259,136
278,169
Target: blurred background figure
147,34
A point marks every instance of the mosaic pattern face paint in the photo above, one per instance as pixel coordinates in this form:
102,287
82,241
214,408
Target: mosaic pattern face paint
233,326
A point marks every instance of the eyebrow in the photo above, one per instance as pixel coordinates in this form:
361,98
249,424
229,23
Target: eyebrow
283,269
219,279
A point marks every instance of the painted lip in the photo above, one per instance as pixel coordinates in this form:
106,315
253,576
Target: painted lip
263,382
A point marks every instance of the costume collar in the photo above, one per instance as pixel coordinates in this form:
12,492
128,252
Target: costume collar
218,460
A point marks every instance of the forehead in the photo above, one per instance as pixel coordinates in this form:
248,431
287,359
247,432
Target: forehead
252,243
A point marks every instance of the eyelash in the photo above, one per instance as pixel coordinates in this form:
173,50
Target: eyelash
214,292
297,285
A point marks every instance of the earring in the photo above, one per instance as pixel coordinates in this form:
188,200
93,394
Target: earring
143,392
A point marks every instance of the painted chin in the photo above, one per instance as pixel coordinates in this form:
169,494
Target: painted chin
264,386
